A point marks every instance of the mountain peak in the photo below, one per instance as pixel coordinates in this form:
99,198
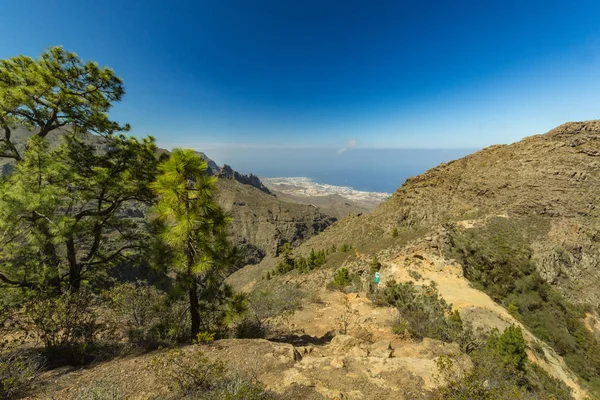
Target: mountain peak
576,128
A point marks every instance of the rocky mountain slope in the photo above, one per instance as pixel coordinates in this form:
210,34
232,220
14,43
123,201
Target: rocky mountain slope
550,182
532,203
262,222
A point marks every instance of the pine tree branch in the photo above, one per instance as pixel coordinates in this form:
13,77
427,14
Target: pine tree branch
5,279
112,256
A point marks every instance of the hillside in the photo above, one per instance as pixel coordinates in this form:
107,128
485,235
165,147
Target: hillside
262,222
494,220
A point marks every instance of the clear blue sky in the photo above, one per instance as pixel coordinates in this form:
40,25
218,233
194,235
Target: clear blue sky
426,74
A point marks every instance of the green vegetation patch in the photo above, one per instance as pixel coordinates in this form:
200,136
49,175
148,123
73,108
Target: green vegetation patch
497,258
500,372
423,312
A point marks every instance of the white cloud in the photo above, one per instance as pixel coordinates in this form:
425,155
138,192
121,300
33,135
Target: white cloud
351,143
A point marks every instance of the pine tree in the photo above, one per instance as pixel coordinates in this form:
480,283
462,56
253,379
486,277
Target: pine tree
61,211
193,228
375,264
57,90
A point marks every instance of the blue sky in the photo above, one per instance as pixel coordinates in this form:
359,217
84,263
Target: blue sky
339,74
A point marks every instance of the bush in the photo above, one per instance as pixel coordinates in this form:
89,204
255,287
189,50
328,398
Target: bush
137,303
345,248
18,368
100,391
188,374
173,323
341,279
250,328
423,312
67,326
194,375
138,308
363,333
375,265
509,347
415,275
269,303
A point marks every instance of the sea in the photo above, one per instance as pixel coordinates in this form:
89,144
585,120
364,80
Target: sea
373,170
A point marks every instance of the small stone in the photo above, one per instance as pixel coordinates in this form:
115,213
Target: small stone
338,362
381,349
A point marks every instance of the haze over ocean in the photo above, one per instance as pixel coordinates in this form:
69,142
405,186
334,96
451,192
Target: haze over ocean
374,170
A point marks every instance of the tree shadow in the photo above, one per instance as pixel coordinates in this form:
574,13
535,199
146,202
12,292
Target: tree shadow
304,339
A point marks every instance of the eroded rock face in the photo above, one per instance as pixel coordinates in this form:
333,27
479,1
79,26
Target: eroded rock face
228,173
262,222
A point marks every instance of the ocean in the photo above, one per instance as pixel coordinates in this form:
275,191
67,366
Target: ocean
374,170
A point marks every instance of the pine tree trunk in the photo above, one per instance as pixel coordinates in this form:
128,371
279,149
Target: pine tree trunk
194,310
74,270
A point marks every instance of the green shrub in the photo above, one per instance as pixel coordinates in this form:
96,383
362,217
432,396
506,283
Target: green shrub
345,248
18,368
423,312
545,386
394,233
375,265
67,325
138,308
341,279
509,347
250,328
137,302
187,373
172,323
204,338
100,391
415,275
268,303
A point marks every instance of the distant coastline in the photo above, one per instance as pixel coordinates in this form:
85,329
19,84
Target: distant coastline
306,187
